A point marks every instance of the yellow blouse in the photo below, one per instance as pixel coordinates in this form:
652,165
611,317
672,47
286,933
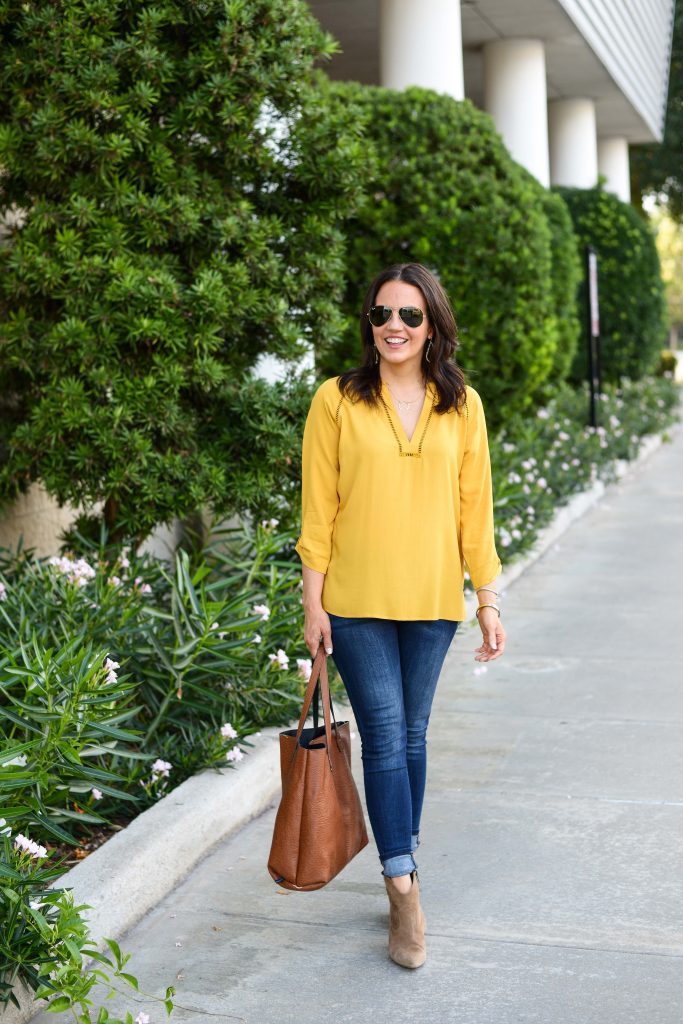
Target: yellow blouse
390,521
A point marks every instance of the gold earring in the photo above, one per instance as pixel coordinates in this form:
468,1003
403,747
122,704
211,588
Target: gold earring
429,349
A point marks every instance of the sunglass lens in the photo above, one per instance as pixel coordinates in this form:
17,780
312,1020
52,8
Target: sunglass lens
410,315
379,315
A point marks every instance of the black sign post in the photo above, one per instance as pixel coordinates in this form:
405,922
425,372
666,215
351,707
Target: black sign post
593,331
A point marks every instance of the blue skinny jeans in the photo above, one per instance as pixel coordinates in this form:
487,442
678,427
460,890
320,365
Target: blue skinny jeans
390,670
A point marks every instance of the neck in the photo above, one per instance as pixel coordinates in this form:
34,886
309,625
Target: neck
404,376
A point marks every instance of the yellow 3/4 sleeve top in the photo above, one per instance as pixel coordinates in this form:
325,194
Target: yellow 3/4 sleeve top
389,521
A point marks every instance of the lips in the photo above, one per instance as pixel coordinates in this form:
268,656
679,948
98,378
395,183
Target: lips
395,342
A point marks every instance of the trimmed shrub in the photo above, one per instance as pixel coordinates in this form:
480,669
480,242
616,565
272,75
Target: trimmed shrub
174,187
445,192
565,278
631,291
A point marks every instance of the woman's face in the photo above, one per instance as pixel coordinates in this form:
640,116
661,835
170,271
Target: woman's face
398,344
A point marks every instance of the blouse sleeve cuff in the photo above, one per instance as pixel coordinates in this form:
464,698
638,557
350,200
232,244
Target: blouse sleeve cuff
486,573
312,561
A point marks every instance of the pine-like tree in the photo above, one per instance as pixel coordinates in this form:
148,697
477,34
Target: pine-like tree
172,185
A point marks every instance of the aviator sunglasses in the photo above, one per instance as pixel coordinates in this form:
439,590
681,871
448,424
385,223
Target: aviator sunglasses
411,316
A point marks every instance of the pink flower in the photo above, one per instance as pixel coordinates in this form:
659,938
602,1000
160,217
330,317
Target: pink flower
280,658
97,794
3,592
304,668
142,1018
228,732
235,754
263,610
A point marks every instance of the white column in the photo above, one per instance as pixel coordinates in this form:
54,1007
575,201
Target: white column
421,44
613,162
515,95
573,143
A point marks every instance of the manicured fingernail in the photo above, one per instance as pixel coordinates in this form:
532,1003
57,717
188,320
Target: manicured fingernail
328,650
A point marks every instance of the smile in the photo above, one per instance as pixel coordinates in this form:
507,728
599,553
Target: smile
396,342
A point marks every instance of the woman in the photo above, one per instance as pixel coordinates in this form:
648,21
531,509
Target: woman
396,495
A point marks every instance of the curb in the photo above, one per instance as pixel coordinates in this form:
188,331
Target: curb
138,866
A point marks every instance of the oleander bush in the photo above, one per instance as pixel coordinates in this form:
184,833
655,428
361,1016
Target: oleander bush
445,192
44,938
120,679
539,462
174,186
633,327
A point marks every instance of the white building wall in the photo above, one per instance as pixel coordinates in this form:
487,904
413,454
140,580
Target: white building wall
632,38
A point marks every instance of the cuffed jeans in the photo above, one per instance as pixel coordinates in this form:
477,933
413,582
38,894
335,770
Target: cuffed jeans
390,670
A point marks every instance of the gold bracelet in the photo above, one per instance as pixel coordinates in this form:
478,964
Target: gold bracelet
488,590
487,606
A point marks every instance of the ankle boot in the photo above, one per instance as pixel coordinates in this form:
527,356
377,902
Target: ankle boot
406,925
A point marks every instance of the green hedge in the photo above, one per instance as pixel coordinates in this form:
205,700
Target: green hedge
446,193
632,305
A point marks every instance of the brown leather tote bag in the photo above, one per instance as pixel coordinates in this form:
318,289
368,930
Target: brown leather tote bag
319,826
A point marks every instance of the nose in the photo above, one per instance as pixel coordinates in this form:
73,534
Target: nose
395,320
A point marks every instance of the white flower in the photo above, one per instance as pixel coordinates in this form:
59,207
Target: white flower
111,667
20,759
514,478
304,667
142,1018
124,562
517,534
77,571
256,638
228,732
563,435
269,524
263,610
97,794
5,830
508,448
114,581
543,414
160,768
281,658
3,592
235,754
542,482
564,466
505,538
24,843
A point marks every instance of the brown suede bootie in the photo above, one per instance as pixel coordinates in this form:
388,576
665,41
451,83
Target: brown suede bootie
406,925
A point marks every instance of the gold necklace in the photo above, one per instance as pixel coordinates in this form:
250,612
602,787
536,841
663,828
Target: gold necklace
402,403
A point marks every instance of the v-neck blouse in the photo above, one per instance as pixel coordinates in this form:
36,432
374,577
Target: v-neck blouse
391,522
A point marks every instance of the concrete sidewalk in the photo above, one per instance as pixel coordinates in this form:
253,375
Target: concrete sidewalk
552,834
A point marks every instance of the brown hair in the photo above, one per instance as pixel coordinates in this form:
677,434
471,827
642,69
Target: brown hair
364,381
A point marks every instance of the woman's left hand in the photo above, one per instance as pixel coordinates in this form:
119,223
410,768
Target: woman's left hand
493,633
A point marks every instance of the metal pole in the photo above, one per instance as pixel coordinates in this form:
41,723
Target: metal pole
592,331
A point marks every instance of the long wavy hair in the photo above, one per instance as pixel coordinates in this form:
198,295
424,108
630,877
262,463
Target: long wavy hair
364,381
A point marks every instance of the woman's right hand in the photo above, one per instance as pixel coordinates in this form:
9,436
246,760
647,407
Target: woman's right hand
317,625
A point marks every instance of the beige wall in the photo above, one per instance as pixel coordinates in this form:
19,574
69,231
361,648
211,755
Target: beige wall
40,520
